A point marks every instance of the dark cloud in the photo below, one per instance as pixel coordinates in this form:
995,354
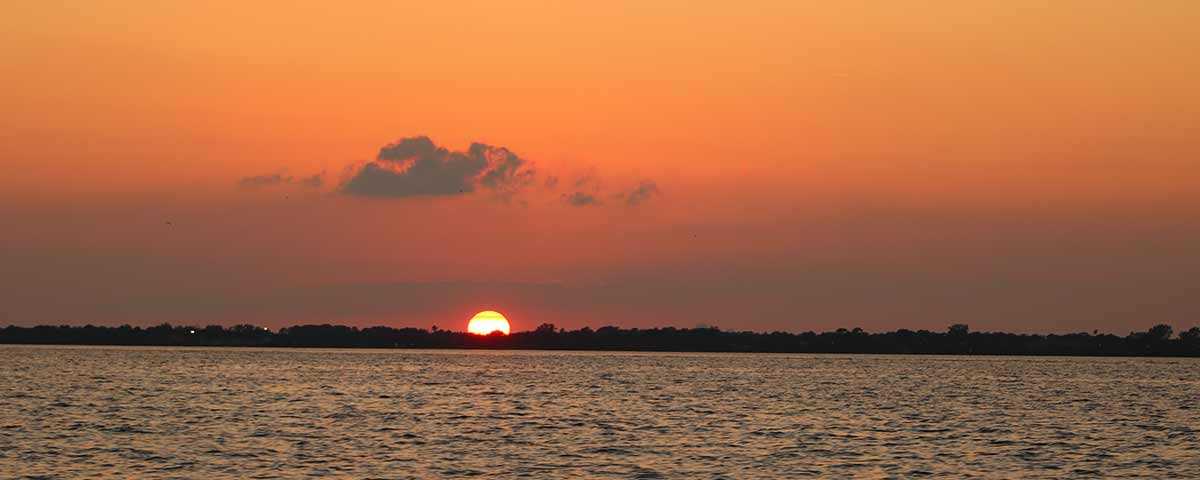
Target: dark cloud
259,181
580,199
644,191
417,167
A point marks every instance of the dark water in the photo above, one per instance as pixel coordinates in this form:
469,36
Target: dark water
232,413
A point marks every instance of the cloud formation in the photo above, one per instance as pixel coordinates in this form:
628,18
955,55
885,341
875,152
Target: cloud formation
580,199
270,180
641,193
259,181
416,166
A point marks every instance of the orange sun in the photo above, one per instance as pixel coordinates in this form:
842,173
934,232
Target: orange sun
486,322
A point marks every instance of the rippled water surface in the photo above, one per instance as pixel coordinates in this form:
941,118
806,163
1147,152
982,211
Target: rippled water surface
236,413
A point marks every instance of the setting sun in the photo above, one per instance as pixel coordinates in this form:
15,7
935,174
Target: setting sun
486,322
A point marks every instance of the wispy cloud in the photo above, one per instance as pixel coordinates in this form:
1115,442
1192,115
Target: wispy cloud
580,199
644,191
313,181
275,179
260,181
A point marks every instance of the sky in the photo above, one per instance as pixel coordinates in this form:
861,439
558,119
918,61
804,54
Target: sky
1015,165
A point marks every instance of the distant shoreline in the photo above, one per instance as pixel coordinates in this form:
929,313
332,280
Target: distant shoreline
588,350
1159,341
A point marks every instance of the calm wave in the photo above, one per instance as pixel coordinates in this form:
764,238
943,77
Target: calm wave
234,413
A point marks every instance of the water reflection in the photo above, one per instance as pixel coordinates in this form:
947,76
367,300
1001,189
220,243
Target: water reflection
234,413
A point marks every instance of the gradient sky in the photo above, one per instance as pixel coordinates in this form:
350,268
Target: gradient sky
792,165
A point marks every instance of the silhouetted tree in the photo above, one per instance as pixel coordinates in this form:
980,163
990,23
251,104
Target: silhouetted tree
1159,333
1190,337
957,339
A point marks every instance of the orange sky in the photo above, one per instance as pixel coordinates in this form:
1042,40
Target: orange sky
882,164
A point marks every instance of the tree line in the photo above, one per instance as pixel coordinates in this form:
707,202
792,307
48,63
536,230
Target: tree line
957,339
